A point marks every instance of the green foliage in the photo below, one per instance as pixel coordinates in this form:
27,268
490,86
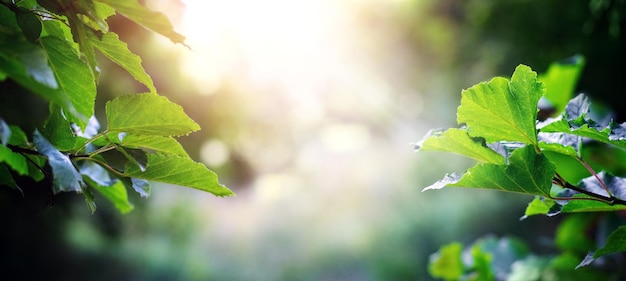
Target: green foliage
556,160
49,48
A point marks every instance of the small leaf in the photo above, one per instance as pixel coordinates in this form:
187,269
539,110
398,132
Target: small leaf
503,110
58,130
541,206
7,179
447,263
113,189
180,171
526,173
18,137
113,48
560,81
459,142
16,161
615,243
29,23
148,114
65,175
74,77
154,21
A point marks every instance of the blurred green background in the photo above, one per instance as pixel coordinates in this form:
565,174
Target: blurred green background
309,111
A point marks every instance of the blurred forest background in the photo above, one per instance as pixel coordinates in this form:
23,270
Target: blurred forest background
309,111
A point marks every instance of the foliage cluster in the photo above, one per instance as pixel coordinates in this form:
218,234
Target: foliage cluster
49,48
531,137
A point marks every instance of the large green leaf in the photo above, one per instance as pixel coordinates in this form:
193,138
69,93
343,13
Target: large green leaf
65,175
180,171
152,20
527,172
148,114
459,142
73,75
113,48
503,110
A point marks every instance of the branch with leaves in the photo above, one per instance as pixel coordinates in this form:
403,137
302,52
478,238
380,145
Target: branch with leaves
517,153
49,48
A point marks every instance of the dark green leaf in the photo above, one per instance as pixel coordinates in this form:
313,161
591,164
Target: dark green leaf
148,114
65,175
180,171
120,157
503,110
6,178
571,234
29,23
458,141
616,242
527,172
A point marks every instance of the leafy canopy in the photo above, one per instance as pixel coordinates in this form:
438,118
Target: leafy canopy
49,48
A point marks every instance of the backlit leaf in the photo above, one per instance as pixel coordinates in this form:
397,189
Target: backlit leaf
65,175
527,173
459,142
74,77
503,110
152,20
560,81
166,145
148,114
180,171
446,263
117,51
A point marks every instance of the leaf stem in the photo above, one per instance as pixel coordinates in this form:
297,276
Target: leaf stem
94,138
103,164
584,163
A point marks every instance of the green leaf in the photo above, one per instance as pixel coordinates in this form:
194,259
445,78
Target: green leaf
527,172
65,175
29,23
117,51
74,77
27,64
560,81
6,178
148,114
165,145
541,206
459,142
58,130
447,263
571,233
615,243
503,110
120,157
16,161
154,21
114,190
18,137
180,171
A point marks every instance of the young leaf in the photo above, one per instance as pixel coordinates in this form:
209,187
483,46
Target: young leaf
180,171
113,48
74,77
503,110
527,173
459,142
148,114
65,175
154,21
541,206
